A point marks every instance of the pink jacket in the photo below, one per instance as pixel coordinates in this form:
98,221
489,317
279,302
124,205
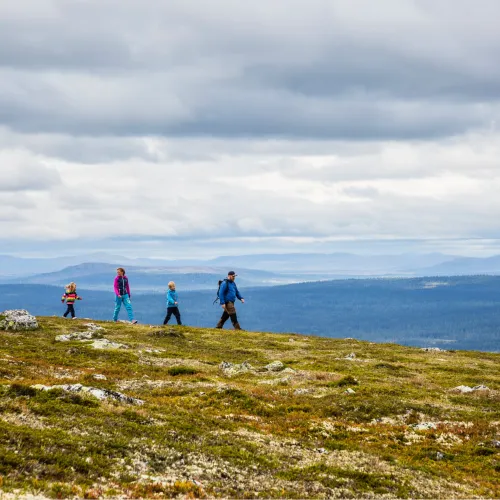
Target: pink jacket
121,285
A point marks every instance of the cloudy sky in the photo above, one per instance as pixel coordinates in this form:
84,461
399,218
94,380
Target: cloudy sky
188,128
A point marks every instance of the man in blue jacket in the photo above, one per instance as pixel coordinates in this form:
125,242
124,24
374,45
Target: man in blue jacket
228,293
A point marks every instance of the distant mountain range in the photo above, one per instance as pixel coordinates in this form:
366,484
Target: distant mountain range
100,276
261,269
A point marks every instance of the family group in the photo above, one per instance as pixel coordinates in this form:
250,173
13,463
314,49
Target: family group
227,294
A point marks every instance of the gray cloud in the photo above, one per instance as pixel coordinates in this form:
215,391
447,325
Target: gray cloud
331,70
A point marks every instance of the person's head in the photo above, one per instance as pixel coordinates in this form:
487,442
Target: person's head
72,286
120,271
231,275
171,285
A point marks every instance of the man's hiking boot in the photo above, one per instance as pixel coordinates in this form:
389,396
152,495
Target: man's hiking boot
237,326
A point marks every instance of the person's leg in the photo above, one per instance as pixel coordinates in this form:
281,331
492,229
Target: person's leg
67,311
231,310
177,315
71,309
118,306
168,316
128,307
223,319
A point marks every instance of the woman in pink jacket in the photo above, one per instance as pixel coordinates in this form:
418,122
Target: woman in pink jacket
122,292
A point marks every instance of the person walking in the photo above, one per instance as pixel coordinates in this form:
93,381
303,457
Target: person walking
172,304
228,293
122,292
70,296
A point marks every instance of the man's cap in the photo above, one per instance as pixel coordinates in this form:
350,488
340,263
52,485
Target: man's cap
231,273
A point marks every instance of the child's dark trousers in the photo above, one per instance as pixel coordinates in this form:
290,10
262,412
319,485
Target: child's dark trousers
70,310
175,312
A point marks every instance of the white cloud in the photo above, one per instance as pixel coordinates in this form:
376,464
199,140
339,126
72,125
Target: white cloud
443,189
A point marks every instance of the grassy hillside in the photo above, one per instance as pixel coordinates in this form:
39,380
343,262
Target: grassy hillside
209,431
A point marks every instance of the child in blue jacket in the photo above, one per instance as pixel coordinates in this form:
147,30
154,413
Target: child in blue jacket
172,304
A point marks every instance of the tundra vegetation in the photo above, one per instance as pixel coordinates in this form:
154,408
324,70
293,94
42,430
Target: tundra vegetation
213,413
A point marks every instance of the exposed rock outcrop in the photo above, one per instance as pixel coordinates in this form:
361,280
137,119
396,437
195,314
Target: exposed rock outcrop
17,320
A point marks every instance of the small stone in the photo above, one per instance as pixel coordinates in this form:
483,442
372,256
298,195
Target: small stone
465,388
495,443
107,344
462,388
98,376
275,366
301,390
424,426
439,455
349,391
351,356
231,369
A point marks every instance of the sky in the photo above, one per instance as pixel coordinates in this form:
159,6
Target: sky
194,129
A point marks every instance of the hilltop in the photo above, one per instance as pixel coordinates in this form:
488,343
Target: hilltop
183,411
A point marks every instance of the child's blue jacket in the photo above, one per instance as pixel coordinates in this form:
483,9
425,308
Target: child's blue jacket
172,298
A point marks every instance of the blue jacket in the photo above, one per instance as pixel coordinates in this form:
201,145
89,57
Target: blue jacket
172,298
228,292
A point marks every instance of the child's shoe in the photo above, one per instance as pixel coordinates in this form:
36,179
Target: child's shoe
134,321
74,317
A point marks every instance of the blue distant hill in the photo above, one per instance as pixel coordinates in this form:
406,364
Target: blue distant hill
446,312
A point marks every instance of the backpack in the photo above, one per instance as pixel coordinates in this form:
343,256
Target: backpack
218,290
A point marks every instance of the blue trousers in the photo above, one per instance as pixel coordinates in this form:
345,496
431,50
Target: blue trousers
125,299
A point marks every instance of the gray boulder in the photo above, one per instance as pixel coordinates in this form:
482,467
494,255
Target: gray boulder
17,320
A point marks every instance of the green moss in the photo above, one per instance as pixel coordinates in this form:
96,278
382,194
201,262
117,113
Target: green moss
348,380
181,370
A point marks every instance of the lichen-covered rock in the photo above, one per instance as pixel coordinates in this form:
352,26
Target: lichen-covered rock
100,394
107,344
93,332
17,320
88,335
275,366
231,369
464,389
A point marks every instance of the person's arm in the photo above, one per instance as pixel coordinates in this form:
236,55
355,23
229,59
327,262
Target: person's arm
63,298
115,286
170,300
238,293
222,293
127,286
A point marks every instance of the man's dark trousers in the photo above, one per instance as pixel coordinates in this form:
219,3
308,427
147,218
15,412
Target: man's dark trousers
229,312
175,312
